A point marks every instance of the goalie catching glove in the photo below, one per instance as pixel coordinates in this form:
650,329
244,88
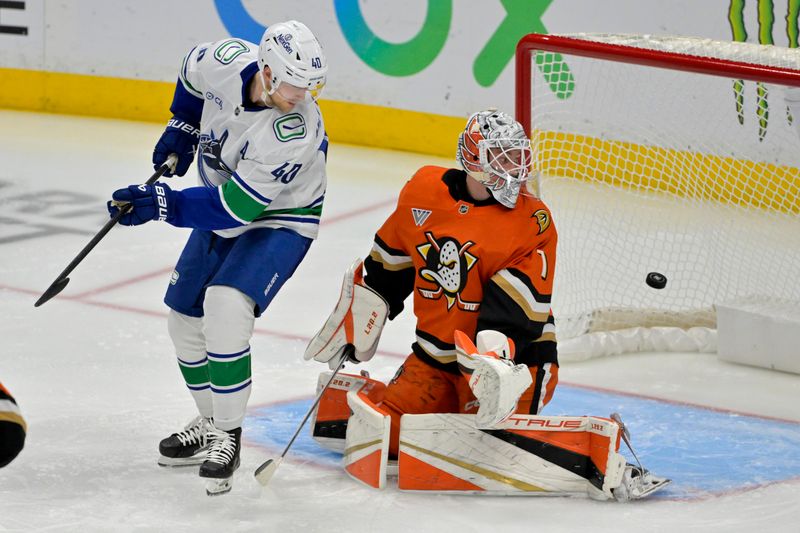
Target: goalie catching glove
357,320
495,380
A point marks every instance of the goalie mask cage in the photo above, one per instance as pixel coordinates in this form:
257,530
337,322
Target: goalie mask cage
663,154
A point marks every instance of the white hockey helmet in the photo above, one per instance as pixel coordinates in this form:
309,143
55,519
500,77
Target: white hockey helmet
494,149
294,56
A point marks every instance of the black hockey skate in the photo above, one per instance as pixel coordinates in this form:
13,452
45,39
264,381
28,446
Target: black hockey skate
222,460
187,447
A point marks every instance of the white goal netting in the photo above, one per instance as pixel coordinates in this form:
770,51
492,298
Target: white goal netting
695,175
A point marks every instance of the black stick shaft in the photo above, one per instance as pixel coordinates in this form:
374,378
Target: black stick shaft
61,281
342,361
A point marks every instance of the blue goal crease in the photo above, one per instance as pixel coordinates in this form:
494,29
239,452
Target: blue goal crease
705,452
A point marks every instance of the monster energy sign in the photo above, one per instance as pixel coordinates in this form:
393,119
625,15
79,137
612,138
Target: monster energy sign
766,21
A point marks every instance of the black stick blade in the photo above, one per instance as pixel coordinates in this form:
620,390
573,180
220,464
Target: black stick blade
62,279
56,287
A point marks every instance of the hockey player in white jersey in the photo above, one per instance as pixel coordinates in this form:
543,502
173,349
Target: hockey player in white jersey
250,113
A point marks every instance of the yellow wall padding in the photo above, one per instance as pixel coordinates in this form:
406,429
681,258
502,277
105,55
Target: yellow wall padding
99,96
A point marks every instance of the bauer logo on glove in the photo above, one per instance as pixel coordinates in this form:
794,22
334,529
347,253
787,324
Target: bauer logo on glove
146,203
181,138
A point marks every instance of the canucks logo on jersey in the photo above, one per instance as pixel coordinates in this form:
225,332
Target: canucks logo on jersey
210,149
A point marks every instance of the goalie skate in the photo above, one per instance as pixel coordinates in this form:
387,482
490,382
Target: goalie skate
637,484
637,481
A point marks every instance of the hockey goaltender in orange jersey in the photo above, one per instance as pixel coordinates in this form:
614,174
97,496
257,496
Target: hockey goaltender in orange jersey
477,255
472,265
478,251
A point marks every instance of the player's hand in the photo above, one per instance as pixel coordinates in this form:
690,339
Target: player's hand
149,202
180,138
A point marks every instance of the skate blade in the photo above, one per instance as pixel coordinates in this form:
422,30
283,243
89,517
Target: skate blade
218,487
649,488
174,462
643,490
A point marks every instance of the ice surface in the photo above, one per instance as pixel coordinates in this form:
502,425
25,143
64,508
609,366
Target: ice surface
96,380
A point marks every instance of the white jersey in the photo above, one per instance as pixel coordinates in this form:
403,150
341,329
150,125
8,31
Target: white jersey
268,166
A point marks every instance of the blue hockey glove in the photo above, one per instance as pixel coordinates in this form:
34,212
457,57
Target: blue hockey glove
180,138
149,202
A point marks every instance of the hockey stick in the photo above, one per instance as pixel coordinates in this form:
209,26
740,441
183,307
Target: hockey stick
626,436
61,281
267,469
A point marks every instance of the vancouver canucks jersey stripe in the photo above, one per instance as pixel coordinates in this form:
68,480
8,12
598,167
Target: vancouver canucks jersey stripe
300,220
186,106
317,201
185,77
250,190
313,210
239,203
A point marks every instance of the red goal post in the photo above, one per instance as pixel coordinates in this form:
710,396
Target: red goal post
534,42
652,152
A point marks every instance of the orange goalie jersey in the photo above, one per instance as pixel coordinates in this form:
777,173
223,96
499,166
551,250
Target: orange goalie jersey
471,266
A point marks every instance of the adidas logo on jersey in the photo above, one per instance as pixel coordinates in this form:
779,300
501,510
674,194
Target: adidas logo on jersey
420,215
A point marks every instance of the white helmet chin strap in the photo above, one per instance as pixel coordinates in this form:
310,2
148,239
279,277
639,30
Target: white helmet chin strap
265,93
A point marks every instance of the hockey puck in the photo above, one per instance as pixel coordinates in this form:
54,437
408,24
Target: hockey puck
656,280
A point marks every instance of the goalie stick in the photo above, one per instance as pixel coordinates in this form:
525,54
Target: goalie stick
267,469
61,281
635,484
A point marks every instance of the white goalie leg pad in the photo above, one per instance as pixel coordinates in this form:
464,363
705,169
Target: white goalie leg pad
528,455
329,420
357,319
367,442
496,381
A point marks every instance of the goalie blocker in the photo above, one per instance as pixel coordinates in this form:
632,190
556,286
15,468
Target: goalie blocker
357,320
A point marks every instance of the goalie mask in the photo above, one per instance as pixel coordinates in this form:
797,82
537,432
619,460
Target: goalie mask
495,150
295,58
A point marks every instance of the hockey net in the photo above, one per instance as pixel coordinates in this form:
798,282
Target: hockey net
662,154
